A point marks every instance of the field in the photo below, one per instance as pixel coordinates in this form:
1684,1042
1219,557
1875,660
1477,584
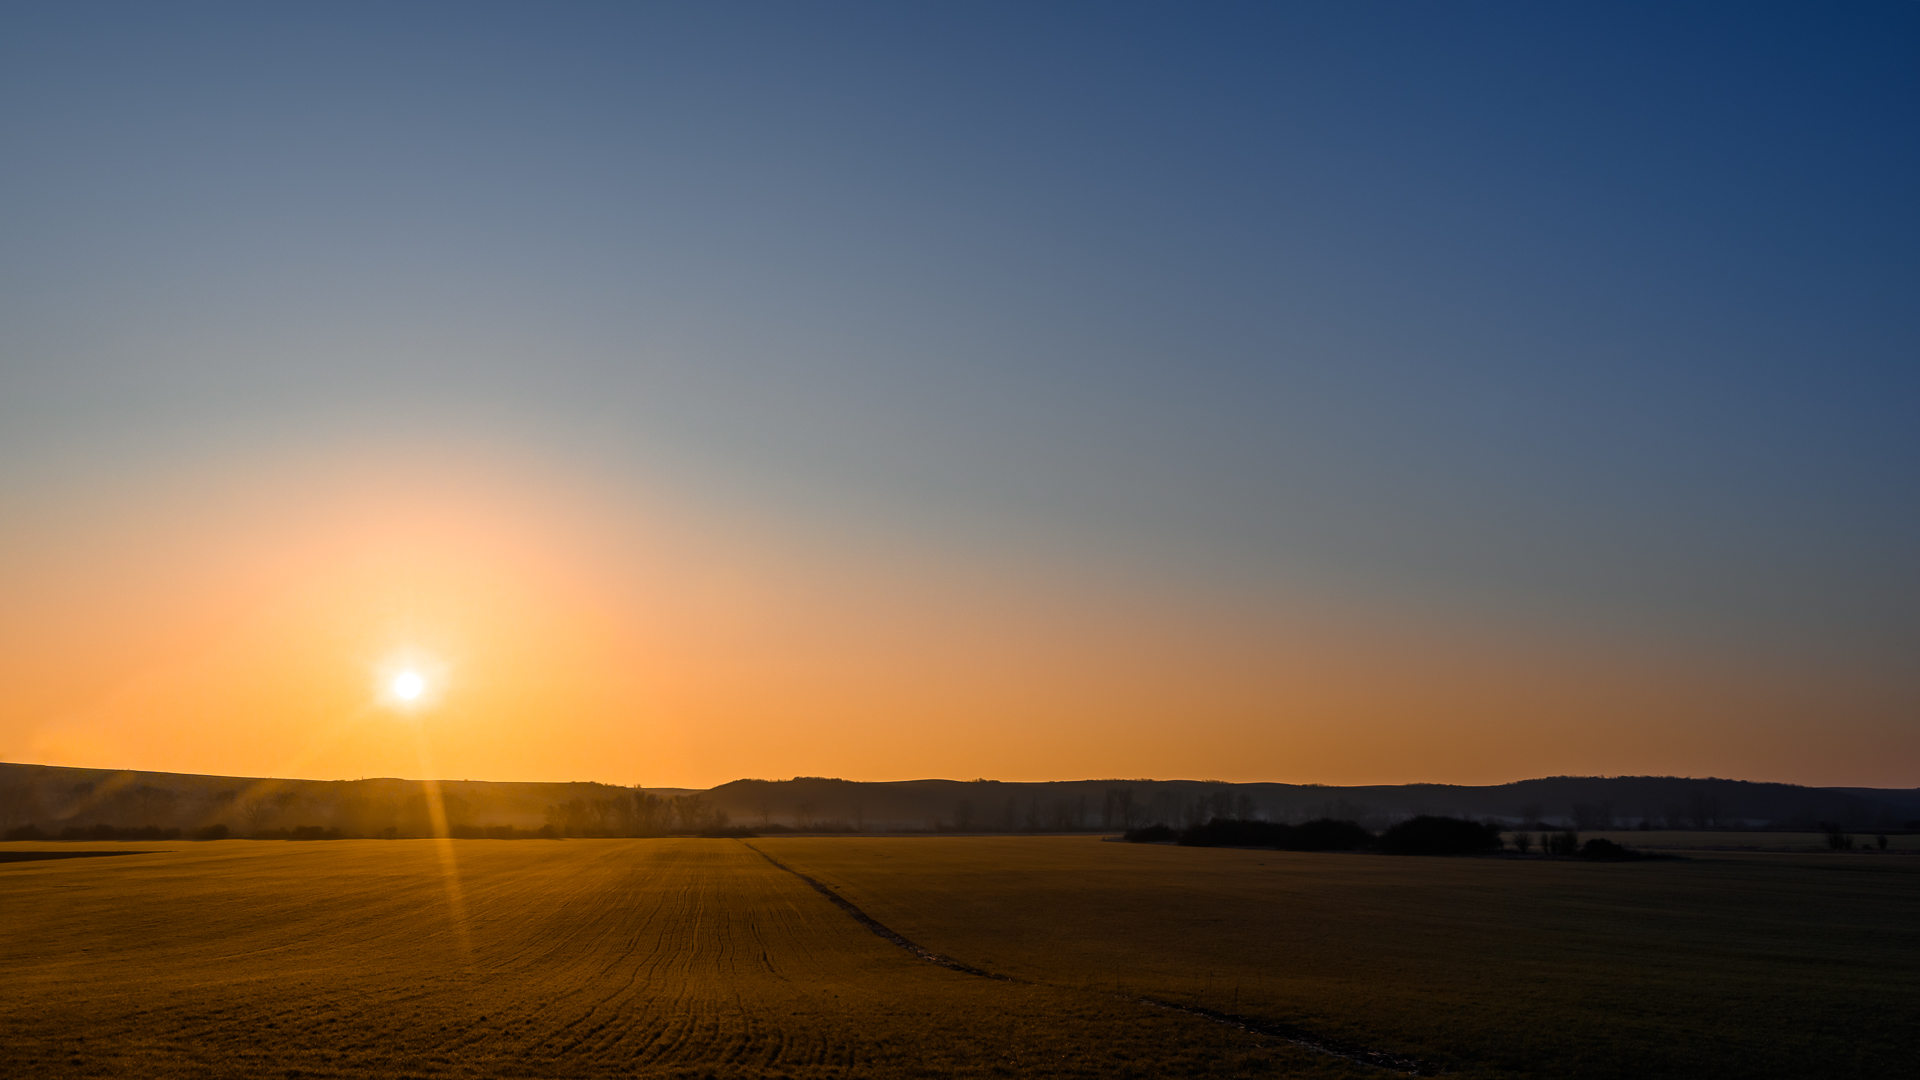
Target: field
684,957
1720,840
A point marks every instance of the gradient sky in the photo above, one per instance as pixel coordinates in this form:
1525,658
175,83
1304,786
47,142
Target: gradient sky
1343,393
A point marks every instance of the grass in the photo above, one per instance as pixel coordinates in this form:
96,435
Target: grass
697,957
578,959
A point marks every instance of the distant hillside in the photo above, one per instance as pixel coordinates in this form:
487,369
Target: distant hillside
52,798
1584,802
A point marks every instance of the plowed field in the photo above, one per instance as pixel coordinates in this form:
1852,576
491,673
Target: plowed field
1755,965
590,958
581,958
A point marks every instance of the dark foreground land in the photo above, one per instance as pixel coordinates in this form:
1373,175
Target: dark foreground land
695,957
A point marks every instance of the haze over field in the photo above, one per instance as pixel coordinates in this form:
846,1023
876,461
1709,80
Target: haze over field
1314,393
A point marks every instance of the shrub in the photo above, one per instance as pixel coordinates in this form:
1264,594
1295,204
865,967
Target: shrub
1608,851
113,832
728,832
1324,834
302,832
1428,835
493,832
1149,834
209,832
1231,832
1329,834
1566,842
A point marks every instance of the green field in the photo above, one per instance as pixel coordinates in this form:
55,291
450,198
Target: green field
685,957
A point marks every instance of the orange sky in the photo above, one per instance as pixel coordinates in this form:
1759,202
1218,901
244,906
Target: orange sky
237,619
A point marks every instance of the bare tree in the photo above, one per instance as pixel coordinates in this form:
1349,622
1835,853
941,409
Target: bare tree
155,804
651,814
256,812
1706,810
692,811
1837,837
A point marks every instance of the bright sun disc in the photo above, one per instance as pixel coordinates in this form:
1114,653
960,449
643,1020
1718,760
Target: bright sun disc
408,686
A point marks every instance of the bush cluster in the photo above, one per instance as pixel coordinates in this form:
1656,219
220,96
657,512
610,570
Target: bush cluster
1323,834
503,832
302,832
1424,835
1430,835
108,832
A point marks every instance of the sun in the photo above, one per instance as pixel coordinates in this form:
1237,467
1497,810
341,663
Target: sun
408,686
410,681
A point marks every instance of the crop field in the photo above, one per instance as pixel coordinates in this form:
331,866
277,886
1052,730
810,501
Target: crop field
1729,965
1722,840
693,957
581,958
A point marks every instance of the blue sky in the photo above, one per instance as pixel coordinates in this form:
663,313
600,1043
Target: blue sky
1597,317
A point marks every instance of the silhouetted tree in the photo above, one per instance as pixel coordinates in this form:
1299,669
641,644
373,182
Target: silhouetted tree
1706,809
1593,815
693,812
256,811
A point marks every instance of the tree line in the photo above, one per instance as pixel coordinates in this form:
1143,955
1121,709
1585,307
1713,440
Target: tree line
1426,834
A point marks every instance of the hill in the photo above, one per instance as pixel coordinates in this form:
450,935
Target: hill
1577,801
53,798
